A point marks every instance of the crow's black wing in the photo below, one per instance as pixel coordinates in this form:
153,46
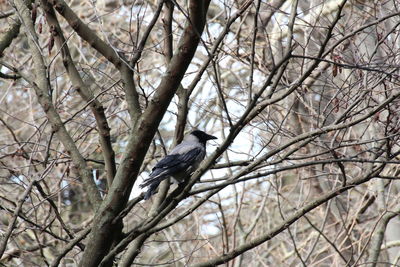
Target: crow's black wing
167,162
174,163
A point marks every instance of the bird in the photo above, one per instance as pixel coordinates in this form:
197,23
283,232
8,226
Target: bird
182,161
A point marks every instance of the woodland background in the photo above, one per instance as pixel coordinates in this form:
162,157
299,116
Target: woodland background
302,95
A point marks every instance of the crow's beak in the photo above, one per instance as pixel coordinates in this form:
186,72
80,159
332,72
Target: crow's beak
210,137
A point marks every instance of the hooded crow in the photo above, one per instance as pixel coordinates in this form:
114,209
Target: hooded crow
182,161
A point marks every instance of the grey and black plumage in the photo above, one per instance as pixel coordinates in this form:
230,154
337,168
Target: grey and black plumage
183,160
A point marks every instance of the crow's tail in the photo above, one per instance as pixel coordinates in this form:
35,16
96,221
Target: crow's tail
154,179
152,190
150,181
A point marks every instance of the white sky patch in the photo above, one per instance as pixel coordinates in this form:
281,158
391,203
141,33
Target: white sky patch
214,29
210,228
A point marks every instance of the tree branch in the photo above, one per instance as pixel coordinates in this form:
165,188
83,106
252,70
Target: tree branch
10,34
76,80
11,224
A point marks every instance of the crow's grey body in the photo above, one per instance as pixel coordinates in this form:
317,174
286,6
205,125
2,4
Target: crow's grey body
184,159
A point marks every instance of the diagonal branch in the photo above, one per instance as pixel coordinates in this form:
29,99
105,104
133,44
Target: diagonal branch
86,33
11,224
10,34
70,246
95,105
378,236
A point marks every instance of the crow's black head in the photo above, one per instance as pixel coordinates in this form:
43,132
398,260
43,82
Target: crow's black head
202,136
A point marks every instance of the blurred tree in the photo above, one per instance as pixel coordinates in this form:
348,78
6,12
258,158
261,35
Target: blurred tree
303,95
